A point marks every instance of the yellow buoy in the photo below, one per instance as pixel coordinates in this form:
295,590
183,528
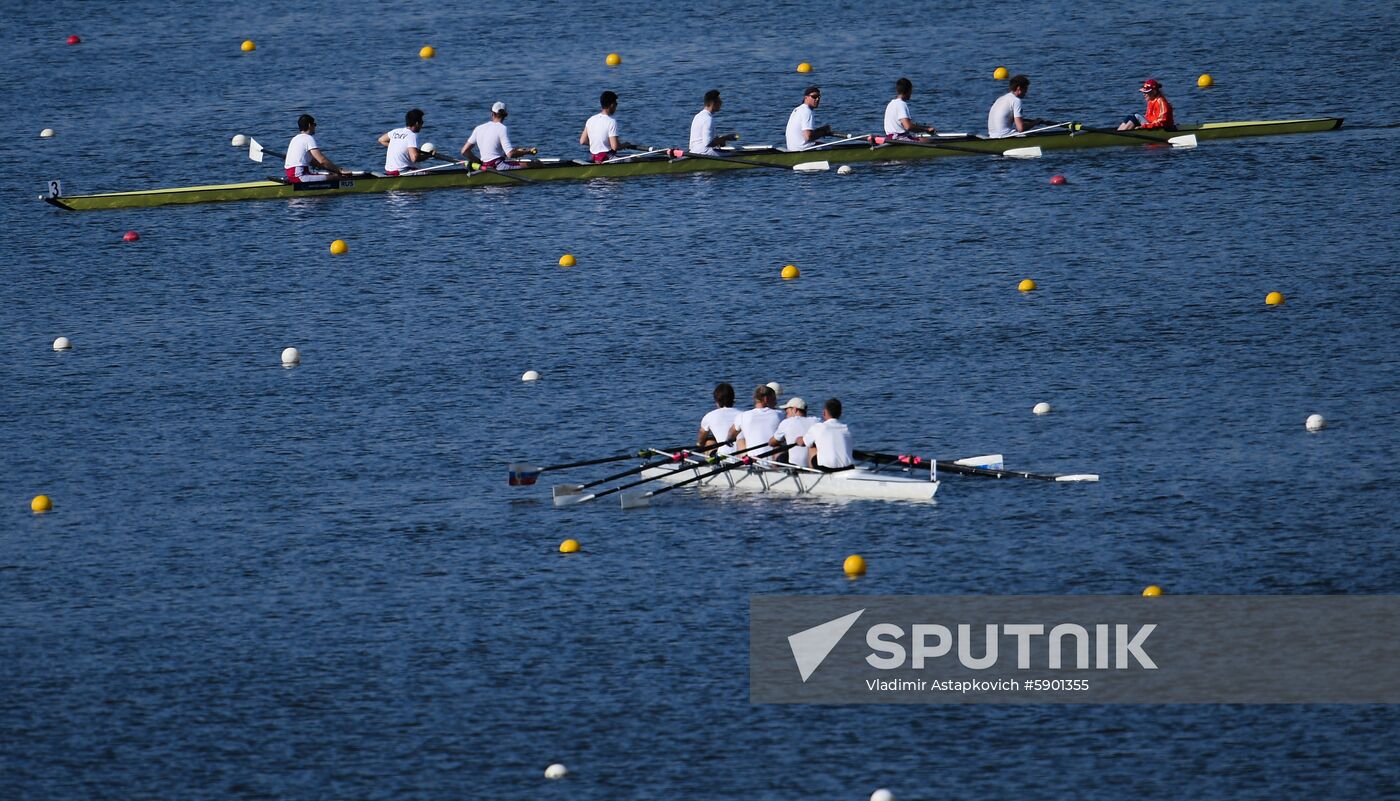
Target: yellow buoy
1152,591
567,260
1274,299
854,565
338,247
804,68
569,546
613,60
1000,74
1026,285
427,51
249,45
1205,81
790,272
41,504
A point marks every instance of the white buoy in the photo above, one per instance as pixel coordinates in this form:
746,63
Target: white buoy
239,140
1315,421
291,356
62,343
882,795
1041,408
556,771
47,133
530,375
844,169
776,387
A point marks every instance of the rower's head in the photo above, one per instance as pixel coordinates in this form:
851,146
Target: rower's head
903,88
796,407
831,410
607,101
724,395
712,101
813,96
1019,85
498,111
1151,87
306,123
764,397
413,120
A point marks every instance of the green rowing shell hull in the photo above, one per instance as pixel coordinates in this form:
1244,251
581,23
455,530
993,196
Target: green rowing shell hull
740,160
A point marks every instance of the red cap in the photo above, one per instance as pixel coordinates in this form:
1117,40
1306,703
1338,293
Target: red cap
1151,84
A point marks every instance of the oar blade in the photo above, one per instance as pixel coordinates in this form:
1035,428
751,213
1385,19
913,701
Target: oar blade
572,500
635,500
1078,477
1022,153
255,150
992,461
1189,140
523,475
567,489
812,166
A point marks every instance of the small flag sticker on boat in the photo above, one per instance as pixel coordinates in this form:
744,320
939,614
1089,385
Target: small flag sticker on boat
523,475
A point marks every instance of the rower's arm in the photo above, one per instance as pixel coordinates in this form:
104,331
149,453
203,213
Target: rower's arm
703,438
384,140
467,150
416,155
721,141
813,136
321,160
583,137
613,143
522,151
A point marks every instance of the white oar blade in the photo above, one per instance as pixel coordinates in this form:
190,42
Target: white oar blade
1078,477
635,500
813,166
567,489
1022,153
989,462
1189,140
571,500
255,151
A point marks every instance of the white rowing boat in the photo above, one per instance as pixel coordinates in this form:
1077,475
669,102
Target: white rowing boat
763,476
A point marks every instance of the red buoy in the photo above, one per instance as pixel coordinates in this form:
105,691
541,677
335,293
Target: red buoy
72,40
1058,180
130,236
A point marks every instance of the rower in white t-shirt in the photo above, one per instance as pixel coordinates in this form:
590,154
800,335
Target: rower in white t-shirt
791,429
757,425
600,132
899,123
303,154
1004,119
702,128
714,427
830,440
802,131
493,139
402,142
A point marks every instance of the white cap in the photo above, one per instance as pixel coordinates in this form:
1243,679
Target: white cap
795,403
498,107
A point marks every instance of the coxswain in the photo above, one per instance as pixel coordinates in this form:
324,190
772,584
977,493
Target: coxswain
303,153
802,130
791,429
600,132
402,142
714,427
1159,111
702,128
898,122
757,425
1005,117
829,440
493,139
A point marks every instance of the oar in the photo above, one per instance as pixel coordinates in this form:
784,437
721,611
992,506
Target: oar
845,138
1185,140
648,151
1015,152
807,166
474,168
1044,128
970,470
523,474
574,489
256,152
569,500
639,499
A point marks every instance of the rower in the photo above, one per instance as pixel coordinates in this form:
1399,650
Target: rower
702,128
600,132
830,440
494,140
1005,117
402,142
1159,111
303,153
791,429
898,123
757,425
714,427
802,130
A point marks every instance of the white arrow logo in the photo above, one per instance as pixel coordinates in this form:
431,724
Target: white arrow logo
810,647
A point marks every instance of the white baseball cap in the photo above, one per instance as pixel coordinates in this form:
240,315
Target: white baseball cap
498,107
795,403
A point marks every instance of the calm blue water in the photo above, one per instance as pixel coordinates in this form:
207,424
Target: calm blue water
315,583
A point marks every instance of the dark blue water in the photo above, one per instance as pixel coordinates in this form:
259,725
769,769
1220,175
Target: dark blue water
315,583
